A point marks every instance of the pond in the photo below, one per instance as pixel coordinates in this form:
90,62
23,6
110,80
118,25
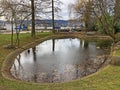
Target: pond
58,60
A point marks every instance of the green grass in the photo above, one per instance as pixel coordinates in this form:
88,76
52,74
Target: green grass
116,53
106,79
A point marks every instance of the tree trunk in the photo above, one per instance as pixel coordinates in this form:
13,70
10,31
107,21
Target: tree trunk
12,32
33,19
53,31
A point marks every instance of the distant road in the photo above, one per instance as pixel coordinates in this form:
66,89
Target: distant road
9,32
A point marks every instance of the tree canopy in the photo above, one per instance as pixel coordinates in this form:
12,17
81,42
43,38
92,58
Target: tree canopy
102,15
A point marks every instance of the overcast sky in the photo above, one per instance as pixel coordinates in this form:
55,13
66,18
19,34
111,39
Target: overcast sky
64,7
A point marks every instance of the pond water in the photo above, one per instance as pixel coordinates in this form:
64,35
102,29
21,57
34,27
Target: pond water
58,60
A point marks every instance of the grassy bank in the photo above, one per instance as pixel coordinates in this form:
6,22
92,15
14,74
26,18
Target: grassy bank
106,79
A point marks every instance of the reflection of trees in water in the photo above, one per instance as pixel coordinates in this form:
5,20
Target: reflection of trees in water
68,73
86,44
17,68
89,66
54,75
34,54
53,45
104,44
35,76
77,70
18,59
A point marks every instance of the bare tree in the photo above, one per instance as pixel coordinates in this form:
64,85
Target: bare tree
103,12
33,18
53,16
49,9
21,9
15,11
9,12
83,11
106,16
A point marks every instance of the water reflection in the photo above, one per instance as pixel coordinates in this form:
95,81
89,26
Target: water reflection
58,60
34,54
53,42
86,44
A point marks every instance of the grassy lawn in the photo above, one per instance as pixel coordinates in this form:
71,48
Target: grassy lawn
105,79
117,53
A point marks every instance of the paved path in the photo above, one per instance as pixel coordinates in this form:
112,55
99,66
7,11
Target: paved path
9,32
